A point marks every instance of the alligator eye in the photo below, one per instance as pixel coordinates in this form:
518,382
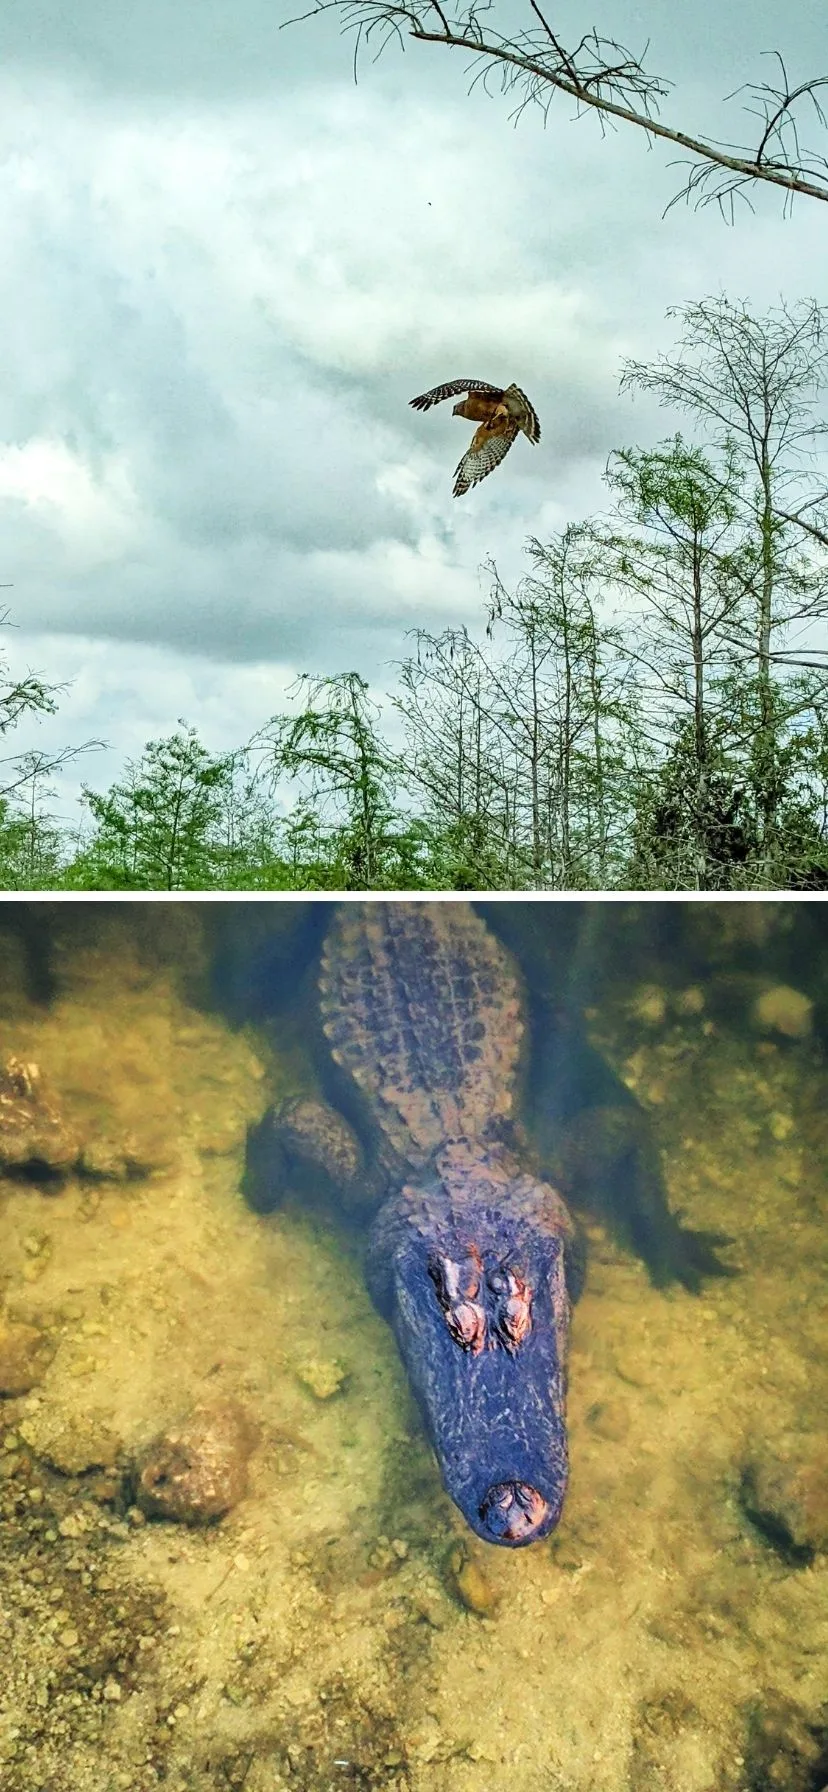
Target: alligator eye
513,1314
516,1323
467,1324
455,1280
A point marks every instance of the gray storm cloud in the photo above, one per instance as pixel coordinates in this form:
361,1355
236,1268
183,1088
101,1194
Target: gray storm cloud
225,272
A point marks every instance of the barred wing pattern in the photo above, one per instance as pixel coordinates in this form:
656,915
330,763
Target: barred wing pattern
452,389
500,411
486,451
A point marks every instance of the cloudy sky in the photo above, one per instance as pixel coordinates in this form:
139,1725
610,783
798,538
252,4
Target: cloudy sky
226,269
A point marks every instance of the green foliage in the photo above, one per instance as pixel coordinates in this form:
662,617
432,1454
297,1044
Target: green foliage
32,846
161,828
30,851
646,709
346,778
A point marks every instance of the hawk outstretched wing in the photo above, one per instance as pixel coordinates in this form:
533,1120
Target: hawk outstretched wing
501,411
484,453
451,390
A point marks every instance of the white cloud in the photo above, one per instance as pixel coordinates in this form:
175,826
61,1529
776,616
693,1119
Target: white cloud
217,295
93,519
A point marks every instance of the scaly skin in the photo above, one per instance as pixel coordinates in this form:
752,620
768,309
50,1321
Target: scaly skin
469,1265
468,1256
472,1258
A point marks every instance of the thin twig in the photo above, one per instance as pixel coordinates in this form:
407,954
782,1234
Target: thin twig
604,77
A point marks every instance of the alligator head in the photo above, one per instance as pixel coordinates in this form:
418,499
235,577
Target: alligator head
481,1316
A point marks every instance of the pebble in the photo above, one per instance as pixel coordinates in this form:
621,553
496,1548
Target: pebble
690,1001
196,1470
649,1004
105,1158
322,1376
73,1445
25,1353
783,1010
475,1592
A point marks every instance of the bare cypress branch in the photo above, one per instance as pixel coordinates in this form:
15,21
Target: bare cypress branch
602,76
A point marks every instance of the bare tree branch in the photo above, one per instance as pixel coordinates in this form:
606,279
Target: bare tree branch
36,764
602,76
810,528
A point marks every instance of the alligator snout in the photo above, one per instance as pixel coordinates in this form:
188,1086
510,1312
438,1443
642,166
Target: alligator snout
482,1328
513,1513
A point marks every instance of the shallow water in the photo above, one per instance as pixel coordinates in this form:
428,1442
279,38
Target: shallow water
340,1628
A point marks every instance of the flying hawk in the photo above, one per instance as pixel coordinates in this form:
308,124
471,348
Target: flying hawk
500,412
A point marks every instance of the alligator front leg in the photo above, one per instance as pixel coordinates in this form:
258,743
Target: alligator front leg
591,1137
608,1162
301,1146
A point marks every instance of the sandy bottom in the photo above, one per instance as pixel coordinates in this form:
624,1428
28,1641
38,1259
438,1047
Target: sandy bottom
316,1637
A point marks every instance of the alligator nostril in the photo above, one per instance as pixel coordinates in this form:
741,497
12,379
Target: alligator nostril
512,1511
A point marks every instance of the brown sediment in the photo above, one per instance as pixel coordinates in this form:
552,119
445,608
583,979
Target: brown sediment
661,1642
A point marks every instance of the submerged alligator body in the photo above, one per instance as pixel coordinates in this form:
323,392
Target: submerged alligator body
473,1257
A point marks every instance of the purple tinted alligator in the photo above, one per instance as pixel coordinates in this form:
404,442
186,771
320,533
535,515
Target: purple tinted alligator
473,1257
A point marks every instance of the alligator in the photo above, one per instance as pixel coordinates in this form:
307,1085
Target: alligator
473,1257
